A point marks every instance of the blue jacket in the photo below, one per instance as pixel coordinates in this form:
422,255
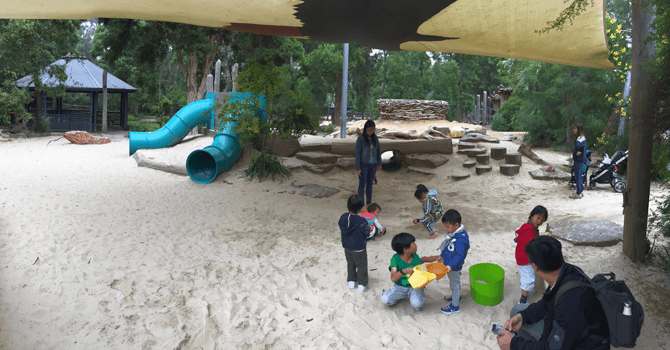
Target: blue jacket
355,231
454,249
363,152
580,146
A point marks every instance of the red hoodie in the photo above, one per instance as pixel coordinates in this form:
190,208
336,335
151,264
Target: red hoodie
523,236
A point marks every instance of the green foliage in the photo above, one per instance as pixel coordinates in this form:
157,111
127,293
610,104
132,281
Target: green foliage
262,165
42,126
162,111
329,129
132,126
12,99
498,123
659,219
510,110
660,160
568,14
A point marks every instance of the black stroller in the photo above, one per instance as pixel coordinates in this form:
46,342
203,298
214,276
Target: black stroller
606,172
585,167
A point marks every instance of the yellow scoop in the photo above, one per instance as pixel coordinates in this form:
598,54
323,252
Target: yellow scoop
420,278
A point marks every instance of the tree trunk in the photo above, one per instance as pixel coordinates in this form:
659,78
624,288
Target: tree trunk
207,64
384,79
338,100
636,196
609,127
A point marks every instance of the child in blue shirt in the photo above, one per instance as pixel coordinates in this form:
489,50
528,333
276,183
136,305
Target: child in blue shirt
354,233
454,248
401,267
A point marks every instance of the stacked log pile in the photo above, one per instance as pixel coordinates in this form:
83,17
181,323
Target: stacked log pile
412,109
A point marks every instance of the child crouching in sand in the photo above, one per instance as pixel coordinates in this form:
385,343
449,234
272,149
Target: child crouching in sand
524,235
355,231
432,209
401,267
371,216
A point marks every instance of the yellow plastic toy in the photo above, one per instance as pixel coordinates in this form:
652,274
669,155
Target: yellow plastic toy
420,278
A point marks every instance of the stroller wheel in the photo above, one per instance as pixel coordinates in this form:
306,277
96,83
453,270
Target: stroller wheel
572,186
592,185
619,185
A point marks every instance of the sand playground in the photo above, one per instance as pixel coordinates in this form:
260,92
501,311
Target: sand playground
97,253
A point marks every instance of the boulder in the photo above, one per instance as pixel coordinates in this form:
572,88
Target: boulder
443,129
311,190
465,145
526,151
593,233
543,174
319,168
84,138
316,147
281,147
477,137
348,148
346,163
457,131
426,160
472,152
317,157
478,130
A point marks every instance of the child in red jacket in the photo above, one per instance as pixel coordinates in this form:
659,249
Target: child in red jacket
525,234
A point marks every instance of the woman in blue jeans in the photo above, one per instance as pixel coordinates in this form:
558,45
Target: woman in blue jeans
579,158
368,160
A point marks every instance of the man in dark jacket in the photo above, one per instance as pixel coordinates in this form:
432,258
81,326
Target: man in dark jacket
575,321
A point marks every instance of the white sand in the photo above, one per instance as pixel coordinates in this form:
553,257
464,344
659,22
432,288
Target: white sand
96,253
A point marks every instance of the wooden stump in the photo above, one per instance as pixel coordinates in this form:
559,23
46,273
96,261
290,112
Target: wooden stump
458,177
469,164
498,152
473,152
482,158
509,169
513,158
482,169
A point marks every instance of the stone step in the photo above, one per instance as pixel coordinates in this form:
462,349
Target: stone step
317,157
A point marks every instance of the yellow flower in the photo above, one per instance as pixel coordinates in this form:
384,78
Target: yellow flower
609,99
616,45
618,93
623,50
612,36
619,63
623,113
622,76
616,53
618,27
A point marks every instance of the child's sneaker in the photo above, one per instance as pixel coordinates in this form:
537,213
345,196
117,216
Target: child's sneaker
576,196
352,284
451,309
362,288
449,299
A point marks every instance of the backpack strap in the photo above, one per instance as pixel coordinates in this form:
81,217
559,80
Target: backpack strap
566,287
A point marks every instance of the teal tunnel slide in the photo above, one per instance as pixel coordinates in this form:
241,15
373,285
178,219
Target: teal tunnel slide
203,166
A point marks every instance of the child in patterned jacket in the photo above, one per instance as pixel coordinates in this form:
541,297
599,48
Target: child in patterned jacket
432,209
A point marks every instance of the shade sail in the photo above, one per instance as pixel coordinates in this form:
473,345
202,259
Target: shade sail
502,28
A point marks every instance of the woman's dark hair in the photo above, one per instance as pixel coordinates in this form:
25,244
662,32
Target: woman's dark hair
452,216
420,190
580,130
545,253
369,124
401,241
539,210
355,203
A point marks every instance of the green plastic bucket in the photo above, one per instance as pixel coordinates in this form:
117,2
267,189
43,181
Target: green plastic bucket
487,283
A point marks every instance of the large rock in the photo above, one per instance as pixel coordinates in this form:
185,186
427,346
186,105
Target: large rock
84,138
443,129
472,152
465,145
594,233
348,148
543,174
478,129
422,171
144,162
477,137
457,131
346,163
317,157
426,160
316,147
319,168
312,190
526,151
281,147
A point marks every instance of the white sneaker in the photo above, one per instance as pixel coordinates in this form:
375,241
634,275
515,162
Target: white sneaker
362,288
352,284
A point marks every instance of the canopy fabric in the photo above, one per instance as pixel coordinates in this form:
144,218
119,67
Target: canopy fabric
501,28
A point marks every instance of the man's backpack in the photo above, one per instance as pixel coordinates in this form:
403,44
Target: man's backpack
624,315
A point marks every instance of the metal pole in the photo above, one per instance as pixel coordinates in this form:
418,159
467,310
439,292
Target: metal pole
486,112
478,109
345,80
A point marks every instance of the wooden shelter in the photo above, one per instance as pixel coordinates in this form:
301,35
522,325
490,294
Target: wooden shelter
82,77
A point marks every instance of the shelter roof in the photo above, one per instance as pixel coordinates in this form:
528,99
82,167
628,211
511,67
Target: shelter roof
82,76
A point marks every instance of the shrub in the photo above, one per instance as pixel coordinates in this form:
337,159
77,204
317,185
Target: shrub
137,127
498,123
262,164
660,159
44,126
328,129
510,110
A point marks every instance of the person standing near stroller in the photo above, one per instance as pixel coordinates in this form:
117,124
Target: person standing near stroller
578,158
368,160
